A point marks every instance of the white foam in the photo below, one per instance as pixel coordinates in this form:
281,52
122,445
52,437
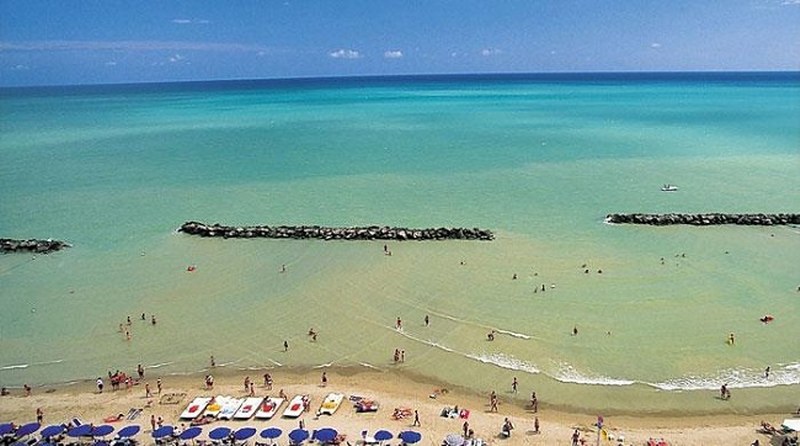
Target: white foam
160,364
368,365
511,333
505,361
275,362
784,375
568,374
15,366
322,366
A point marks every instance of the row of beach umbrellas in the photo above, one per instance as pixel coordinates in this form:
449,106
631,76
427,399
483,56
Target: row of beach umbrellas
323,435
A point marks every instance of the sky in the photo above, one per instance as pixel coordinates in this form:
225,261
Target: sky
56,42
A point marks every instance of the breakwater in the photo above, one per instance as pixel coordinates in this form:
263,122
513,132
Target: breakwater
335,233
31,245
708,219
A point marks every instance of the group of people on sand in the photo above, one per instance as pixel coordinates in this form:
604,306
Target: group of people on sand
399,355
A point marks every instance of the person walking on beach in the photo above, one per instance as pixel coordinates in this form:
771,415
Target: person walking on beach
493,401
285,346
153,421
465,427
140,371
39,415
212,361
398,324
246,383
158,385
147,393
535,425
534,402
252,389
27,388
268,381
99,385
324,379
416,418
724,393
514,384
427,321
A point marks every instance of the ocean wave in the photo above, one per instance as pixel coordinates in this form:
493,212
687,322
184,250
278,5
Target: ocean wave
566,373
368,365
15,366
275,362
160,364
785,375
498,330
505,361
513,334
322,366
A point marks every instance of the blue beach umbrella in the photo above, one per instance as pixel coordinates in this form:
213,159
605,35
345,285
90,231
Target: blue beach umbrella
271,432
298,435
84,430
129,431
410,437
244,433
27,429
52,431
100,443
102,431
383,435
219,433
163,431
325,435
190,433
6,428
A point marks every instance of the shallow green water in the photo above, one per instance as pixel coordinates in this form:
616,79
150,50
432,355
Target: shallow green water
541,163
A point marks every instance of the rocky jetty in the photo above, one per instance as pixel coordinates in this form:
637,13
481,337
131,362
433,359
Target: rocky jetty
332,233
705,219
32,245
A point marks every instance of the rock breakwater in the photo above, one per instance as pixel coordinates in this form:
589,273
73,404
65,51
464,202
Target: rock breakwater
31,245
335,233
707,219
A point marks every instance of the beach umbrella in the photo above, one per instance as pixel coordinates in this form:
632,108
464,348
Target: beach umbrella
244,433
52,431
100,443
27,429
190,433
410,436
6,428
84,430
325,435
383,435
219,433
271,432
454,440
129,431
298,435
102,431
163,431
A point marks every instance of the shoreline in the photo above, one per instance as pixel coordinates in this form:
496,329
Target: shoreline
225,372
391,389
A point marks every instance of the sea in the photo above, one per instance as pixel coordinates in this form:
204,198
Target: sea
539,159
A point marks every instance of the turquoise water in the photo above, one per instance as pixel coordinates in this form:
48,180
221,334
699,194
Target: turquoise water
539,160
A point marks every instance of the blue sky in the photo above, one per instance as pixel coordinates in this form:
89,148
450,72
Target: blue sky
46,42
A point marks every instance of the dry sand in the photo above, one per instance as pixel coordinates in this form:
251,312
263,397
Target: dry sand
391,390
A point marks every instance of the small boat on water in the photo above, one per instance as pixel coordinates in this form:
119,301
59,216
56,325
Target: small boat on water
669,188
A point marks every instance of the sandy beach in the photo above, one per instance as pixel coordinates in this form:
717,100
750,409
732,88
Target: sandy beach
391,390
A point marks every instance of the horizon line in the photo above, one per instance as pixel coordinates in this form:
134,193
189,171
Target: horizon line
396,75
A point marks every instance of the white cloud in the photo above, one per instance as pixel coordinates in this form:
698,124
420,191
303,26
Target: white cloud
393,54
345,54
20,67
111,63
486,52
655,45
176,58
191,21
790,2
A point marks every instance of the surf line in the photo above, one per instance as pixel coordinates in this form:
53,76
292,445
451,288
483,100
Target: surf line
478,324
